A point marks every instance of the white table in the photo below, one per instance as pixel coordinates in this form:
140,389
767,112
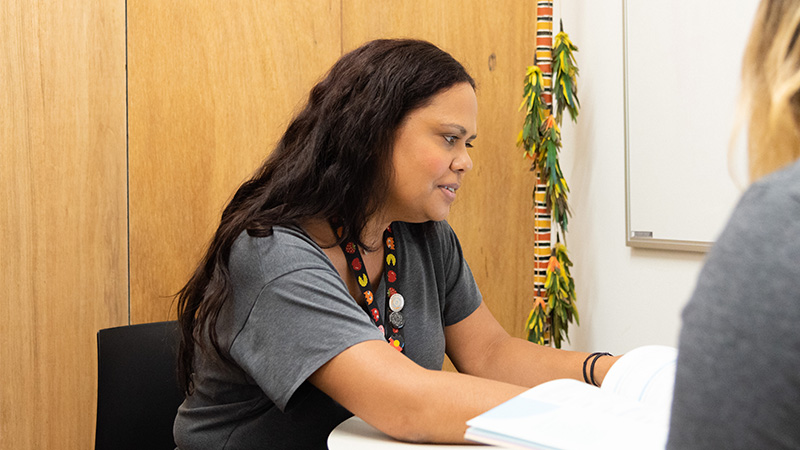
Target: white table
355,434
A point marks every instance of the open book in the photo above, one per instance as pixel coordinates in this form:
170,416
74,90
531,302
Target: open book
630,410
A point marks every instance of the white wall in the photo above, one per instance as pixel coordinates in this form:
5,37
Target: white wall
626,297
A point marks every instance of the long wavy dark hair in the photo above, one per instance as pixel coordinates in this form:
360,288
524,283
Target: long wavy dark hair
334,160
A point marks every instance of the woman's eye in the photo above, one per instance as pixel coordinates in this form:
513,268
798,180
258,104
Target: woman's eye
451,139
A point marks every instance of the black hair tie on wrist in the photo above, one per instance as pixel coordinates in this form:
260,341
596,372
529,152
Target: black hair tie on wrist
591,370
590,378
585,361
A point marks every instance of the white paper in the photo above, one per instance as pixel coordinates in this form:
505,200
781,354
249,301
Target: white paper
631,411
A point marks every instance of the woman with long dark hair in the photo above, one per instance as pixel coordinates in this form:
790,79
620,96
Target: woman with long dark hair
333,286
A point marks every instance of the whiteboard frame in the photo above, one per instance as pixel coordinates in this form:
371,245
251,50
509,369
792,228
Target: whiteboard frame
630,239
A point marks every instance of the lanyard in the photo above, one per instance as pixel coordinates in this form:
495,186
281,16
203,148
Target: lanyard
394,300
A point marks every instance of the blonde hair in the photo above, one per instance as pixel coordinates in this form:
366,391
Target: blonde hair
771,87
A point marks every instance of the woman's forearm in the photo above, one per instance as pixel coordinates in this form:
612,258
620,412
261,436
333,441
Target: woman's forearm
524,363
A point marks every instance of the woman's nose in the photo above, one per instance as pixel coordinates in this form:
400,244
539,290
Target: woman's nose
462,162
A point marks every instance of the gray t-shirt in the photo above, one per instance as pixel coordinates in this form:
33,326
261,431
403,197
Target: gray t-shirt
291,313
738,376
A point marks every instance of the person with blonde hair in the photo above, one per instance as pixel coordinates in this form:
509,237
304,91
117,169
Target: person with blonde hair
738,375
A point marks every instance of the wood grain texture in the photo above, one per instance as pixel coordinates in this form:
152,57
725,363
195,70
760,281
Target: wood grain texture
212,87
492,215
63,225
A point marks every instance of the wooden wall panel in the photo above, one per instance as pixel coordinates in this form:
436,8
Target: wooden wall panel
212,87
63,213
492,216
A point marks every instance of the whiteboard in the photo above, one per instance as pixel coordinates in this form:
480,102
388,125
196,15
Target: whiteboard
682,77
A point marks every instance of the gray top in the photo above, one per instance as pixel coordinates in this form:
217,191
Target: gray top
738,377
291,313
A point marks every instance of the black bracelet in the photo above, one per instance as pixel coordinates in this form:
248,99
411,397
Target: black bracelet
585,377
591,370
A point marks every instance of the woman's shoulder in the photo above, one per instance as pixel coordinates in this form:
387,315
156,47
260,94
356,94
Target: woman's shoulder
780,186
767,206
766,218
283,250
280,237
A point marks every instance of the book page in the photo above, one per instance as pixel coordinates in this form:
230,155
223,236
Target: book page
645,374
630,411
571,415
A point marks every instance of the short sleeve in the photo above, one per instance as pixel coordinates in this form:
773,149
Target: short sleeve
297,320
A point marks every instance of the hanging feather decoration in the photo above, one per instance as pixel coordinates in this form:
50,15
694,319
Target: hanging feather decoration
537,320
560,292
534,108
550,168
554,305
530,139
565,74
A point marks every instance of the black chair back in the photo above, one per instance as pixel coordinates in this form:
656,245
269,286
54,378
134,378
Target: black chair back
137,388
